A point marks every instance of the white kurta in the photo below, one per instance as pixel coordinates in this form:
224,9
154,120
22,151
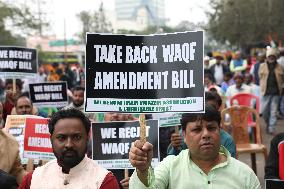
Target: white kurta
86,175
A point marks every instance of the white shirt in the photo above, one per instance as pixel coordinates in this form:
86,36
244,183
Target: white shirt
218,75
233,90
86,175
281,61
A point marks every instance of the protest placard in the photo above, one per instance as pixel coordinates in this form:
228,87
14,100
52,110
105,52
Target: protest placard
274,184
145,74
112,142
49,94
17,62
37,144
168,119
15,125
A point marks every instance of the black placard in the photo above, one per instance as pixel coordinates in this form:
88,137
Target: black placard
112,142
49,94
148,72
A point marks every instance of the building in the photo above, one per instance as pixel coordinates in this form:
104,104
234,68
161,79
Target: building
139,14
55,51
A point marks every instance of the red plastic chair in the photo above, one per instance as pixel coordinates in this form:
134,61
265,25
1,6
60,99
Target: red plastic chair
239,118
245,99
250,100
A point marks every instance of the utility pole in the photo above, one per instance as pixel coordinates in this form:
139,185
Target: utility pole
65,44
39,18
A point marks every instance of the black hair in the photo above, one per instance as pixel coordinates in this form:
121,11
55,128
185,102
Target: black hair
213,89
19,83
69,113
211,114
78,88
213,96
209,76
228,74
59,71
210,54
55,65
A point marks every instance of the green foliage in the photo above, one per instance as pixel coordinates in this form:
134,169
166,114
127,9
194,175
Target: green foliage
19,19
95,22
246,22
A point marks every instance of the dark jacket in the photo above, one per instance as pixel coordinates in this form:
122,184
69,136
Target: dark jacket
7,181
272,164
225,69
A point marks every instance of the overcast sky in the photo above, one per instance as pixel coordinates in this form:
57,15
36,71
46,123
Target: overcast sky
58,10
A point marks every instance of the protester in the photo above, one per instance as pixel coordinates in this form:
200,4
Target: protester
40,77
67,75
78,102
53,76
1,116
248,80
205,163
228,81
72,168
209,84
7,181
177,144
237,88
272,170
238,64
10,161
2,90
271,81
206,65
118,117
280,60
24,106
11,96
77,99
119,173
218,70
254,69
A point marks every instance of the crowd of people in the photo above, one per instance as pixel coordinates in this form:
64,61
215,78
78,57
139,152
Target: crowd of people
200,155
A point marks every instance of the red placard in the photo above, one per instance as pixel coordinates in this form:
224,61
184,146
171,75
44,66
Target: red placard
281,159
37,143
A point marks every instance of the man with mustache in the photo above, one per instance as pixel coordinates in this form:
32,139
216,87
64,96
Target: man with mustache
72,168
205,164
78,102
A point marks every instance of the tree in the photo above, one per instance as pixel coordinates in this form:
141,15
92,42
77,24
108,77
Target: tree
95,22
19,19
246,22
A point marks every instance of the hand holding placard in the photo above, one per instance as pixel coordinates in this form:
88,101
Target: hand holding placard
140,157
142,128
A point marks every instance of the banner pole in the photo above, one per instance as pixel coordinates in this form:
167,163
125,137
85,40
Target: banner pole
176,129
30,165
142,128
126,173
14,85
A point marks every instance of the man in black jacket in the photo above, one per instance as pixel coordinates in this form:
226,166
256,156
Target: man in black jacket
7,181
272,170
218,70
